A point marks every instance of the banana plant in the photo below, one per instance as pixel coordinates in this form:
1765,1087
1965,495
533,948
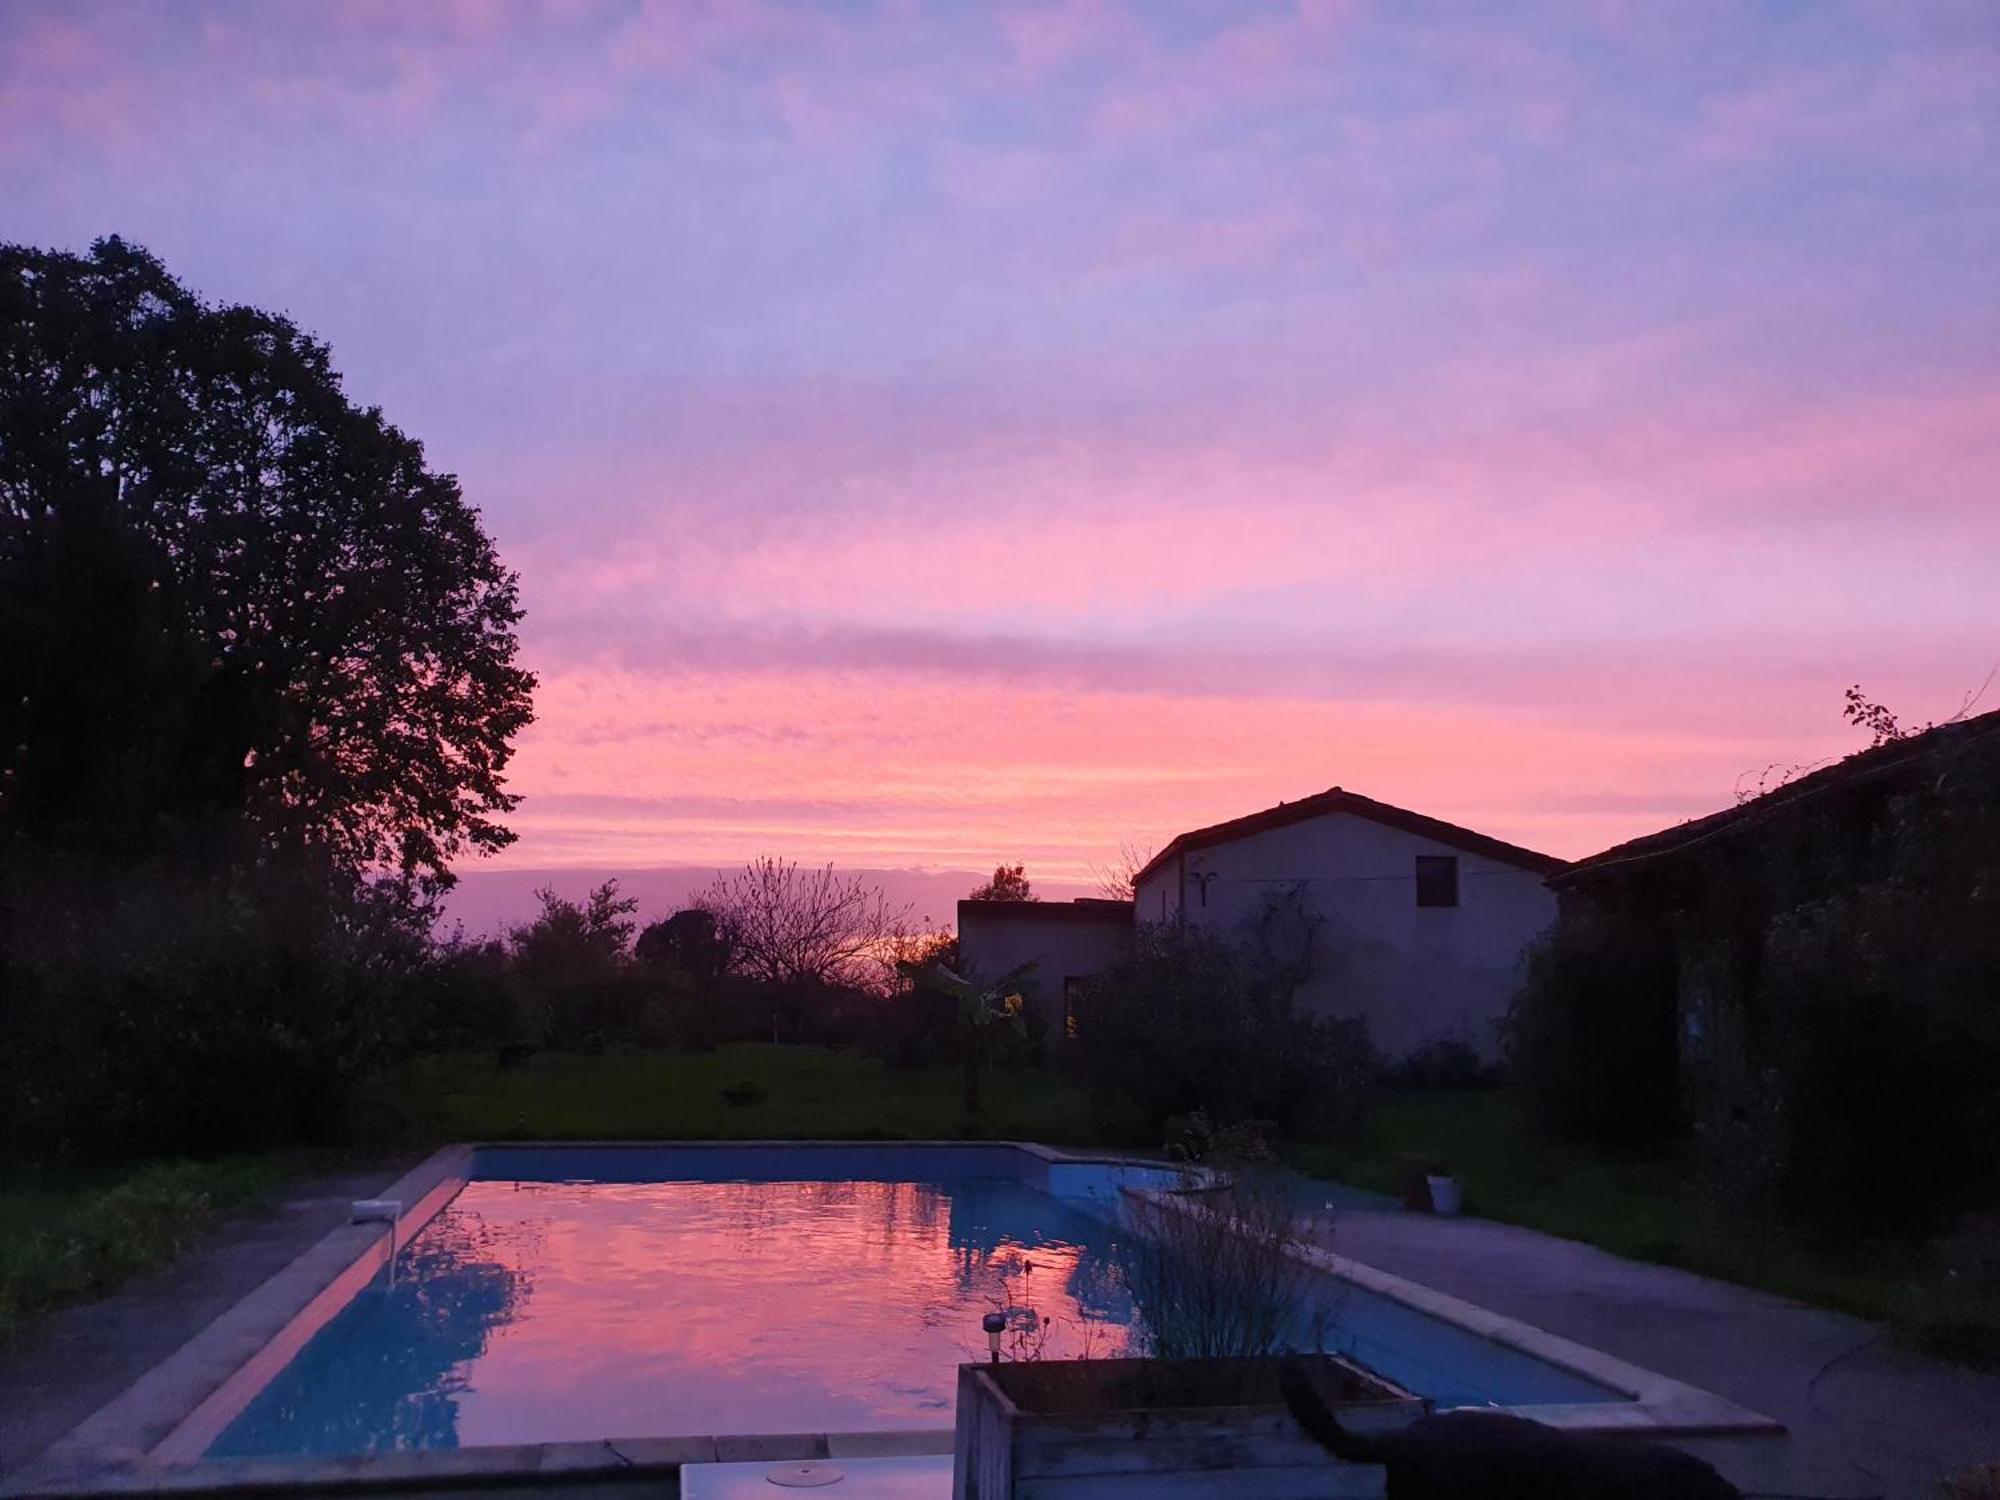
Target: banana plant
986,1013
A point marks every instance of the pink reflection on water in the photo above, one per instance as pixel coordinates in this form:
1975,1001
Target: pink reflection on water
669,1308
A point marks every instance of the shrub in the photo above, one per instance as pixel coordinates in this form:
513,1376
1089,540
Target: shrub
1879,1095
743,1093
465,999
167,1010
1445,1062
1589,1038
1215,1273
1189,1021
1198,1139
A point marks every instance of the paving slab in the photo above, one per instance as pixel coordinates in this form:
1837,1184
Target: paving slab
1863,1417
66,1365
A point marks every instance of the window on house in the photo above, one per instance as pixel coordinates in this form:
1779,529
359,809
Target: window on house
1437,880
1072,997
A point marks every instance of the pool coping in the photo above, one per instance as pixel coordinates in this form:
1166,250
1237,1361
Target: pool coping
1657,1405
148,1439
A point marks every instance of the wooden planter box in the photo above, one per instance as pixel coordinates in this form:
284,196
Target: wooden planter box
1105,1428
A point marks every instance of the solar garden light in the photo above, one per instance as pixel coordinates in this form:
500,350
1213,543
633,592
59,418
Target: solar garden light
995,1324
379,1211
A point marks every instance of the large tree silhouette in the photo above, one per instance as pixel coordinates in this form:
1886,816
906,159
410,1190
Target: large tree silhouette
233,604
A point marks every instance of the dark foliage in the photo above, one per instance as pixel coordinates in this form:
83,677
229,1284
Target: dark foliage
1444,1063
1811,989
1871,1034
690,941
1189,1021
1009,883
236,610
148,1011
465,999
257,690
574,972
1590,1037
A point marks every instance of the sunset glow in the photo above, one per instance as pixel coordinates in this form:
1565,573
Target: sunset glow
932,433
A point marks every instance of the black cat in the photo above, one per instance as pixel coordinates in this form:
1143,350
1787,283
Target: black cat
1484,1455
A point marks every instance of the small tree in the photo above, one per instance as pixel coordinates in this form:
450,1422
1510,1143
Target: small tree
571,959
1009,883
691,941
986,1015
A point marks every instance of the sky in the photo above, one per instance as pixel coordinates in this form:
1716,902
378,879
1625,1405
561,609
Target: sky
936,433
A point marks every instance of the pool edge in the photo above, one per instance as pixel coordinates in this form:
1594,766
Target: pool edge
151,1435
1659,1405
111,1451
129,1430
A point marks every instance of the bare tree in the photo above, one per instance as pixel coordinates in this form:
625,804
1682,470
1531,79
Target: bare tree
1118,880
790,925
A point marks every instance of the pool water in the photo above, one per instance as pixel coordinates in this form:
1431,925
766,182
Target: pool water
567,1295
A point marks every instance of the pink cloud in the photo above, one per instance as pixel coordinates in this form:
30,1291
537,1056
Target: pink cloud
892,770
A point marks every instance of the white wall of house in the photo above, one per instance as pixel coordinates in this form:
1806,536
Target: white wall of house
1414,972
1064,940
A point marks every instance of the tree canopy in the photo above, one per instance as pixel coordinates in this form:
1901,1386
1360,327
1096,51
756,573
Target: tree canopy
232,602
1009,883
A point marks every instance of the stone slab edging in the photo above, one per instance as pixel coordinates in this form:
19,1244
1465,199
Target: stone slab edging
217,1363
1658,1405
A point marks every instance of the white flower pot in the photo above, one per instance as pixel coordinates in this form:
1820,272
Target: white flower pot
1445,1196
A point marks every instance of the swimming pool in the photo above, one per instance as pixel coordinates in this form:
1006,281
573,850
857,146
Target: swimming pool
568,1294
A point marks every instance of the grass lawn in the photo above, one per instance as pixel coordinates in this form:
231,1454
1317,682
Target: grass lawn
80,1235
793,1093
1650,1208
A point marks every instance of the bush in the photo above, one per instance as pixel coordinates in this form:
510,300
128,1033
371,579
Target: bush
467,1001
1215,1272
1197,1139
1589,1039
165,1010
1445,1062
1879,1096
1191,1022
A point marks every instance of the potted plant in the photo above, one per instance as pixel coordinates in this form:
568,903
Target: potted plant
1414,1174
1223,1292
1092,1429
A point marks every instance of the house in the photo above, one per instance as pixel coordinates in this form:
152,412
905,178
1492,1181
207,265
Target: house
1416,924
1067,941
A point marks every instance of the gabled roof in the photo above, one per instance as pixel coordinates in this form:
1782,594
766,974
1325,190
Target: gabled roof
1081,909
1866,766
1339,800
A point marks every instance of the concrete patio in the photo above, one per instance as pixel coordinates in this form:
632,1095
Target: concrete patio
1862,1416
